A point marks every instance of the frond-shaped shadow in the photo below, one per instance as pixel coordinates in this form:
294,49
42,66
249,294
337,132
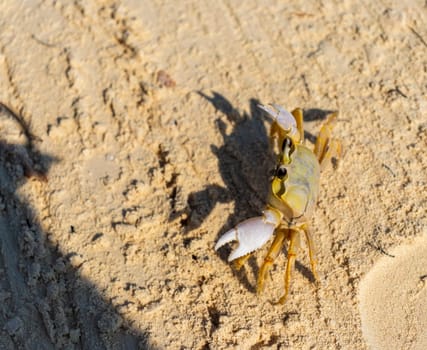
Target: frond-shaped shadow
45,303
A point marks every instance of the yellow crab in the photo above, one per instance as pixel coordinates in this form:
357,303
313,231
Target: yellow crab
293,195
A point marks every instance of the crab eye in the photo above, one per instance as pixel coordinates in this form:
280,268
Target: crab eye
287,144
281,172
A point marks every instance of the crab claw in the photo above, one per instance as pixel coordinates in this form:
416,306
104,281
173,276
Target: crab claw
251,234
282,117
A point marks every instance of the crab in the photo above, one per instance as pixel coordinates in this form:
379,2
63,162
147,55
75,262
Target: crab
293,194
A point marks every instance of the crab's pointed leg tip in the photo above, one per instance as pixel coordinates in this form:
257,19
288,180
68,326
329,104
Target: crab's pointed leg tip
227,237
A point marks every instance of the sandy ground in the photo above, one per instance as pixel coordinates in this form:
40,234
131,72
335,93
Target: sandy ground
136,143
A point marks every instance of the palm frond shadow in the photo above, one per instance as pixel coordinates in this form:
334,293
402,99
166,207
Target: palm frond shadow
48,304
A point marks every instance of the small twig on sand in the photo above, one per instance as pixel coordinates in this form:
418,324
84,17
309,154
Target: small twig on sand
418,36
380,249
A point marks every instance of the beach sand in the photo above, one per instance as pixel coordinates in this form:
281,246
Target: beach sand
133,142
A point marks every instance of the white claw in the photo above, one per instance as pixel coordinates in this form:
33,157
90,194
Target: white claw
251,234
280,115
227,237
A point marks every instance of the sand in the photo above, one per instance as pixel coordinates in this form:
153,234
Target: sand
134,142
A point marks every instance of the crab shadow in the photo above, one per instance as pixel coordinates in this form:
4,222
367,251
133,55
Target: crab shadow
246,163
47,304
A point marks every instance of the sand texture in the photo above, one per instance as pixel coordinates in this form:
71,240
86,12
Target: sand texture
130,141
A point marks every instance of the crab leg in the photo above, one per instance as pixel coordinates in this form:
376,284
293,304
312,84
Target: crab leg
292,253
239,262
324,135
274,250
311,251
251,234
327,147
333,150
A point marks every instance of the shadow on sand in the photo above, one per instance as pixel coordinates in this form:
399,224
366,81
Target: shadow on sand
45,303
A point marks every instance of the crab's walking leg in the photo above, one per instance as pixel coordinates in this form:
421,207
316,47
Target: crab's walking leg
333,150
311,251
327,147
239,262
324,135
274,250
292,253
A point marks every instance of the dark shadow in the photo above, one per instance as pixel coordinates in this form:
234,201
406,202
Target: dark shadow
245,160
314,114
304,270
45,303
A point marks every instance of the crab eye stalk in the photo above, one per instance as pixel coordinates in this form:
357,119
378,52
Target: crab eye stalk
281,172
287,144
288,148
